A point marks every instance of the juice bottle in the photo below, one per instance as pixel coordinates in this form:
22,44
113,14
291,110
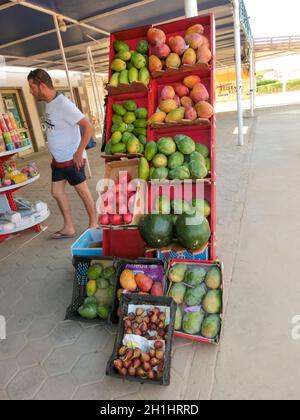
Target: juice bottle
3,126
7,122
8,141
12,121
2,143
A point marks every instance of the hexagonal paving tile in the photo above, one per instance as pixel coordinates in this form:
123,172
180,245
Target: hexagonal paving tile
12,346
172,392
36,275
26,384
8,369
93,392
92,340
41,327
16,323
35,352
90,368
57,388
3,395
65,333
62,360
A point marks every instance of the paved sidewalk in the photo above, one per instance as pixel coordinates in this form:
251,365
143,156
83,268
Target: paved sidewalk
46,357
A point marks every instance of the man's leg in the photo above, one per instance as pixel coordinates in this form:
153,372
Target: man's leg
58,193
87,198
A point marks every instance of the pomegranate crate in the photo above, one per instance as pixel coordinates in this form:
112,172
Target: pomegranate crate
179,27
208,310
132,37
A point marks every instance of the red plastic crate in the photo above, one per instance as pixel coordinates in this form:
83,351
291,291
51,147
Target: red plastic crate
123,243
179,27
141,99
132,37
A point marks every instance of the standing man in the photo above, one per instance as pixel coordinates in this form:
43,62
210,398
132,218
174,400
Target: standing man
67,146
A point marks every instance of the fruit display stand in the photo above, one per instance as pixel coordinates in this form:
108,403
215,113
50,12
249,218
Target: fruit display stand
7,202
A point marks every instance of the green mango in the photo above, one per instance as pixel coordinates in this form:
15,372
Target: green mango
107,150
95,271
115,80
177,273
130,128
90,301
140,123
211,326
185,144
143,140
192,322
118,65
166,145
212,303
119,127
124,55
138,60
119,110
124,77
103,311
208,164
202,207
143,47
181,206
126,136
118,148
213,278
133,145
151,150
117,119
129,118
178,319
102,284
144,169
108,273
120,46
177,292
88,311
133,74
200,148
163,205
195,276
197,170
116,137
144,76
151,172
130,106
141,113
194,297
129,67
140,131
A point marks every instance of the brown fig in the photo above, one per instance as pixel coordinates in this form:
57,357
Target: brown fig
139,312
145,358
151,375
123,372
158,345
127,364
118,364
160,354
132,371
146,367
154,362
136,363
122,351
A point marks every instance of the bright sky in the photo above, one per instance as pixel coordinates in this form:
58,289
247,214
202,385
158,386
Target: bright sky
274,17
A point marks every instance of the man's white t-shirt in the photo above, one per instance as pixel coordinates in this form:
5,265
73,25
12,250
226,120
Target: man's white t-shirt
63,132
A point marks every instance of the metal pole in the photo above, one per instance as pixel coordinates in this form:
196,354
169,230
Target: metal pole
191,8
100,111
238,62
61,45
252,82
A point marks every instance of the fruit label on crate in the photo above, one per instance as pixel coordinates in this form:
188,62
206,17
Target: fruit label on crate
137,342
156,272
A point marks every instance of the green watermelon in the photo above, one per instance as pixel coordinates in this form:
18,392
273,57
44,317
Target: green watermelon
193,231
157,230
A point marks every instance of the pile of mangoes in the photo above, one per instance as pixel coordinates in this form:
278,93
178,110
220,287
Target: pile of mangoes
129,129
179,158
130,66
99,291
198,294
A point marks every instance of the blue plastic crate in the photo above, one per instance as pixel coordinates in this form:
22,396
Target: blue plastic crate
81,247
172,255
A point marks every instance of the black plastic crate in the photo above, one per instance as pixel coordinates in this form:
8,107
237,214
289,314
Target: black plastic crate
82,265
154,301
121,265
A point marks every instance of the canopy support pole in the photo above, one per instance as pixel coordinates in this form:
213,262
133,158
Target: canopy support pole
252,82
61,45
191,8
238,63
97,96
